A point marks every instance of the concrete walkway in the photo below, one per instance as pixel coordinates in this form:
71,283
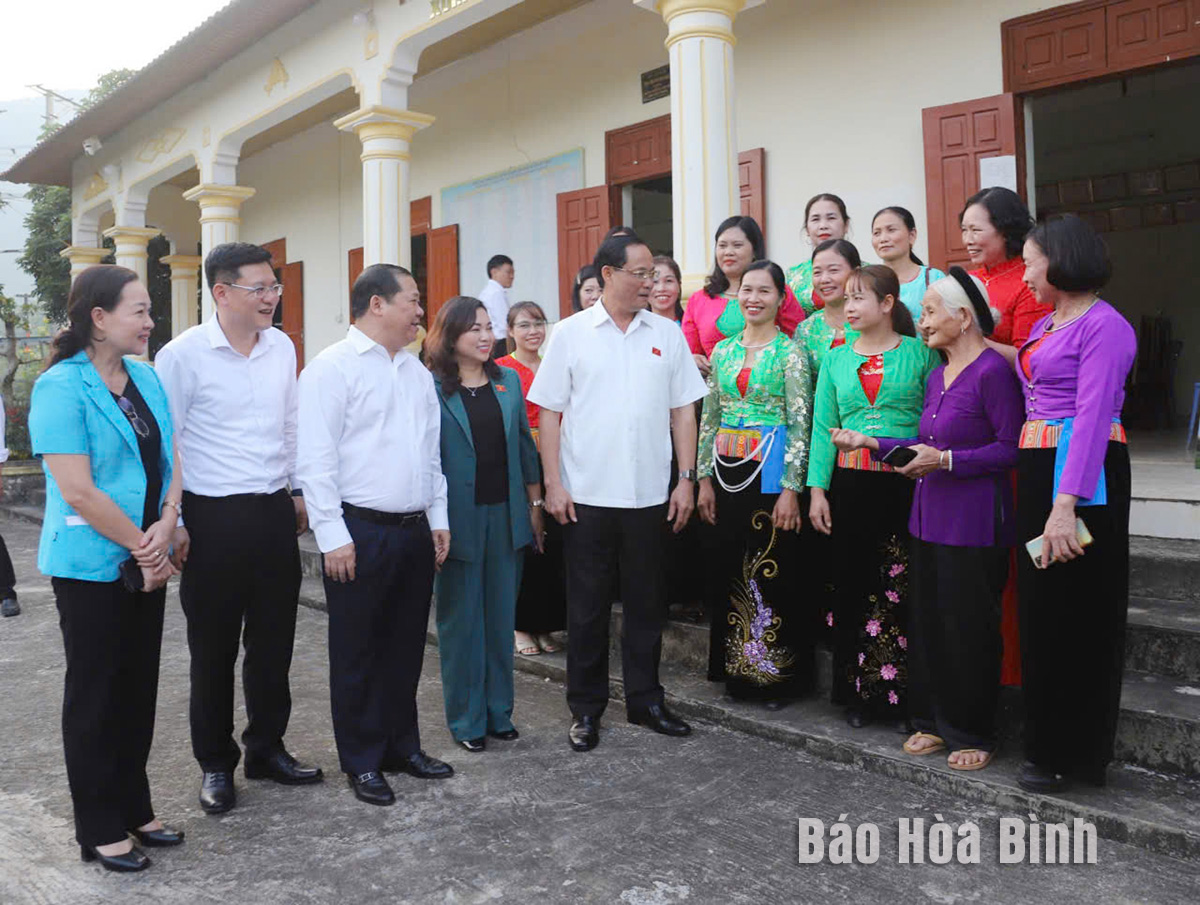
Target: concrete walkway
642,820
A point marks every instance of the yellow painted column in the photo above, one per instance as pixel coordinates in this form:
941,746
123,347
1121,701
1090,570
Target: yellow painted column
82,257
220,219
185,282
704,173
386,135
131,242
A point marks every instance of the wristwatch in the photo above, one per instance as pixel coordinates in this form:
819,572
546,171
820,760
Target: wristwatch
687,474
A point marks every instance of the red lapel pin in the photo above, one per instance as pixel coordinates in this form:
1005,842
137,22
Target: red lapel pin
501,388
656,351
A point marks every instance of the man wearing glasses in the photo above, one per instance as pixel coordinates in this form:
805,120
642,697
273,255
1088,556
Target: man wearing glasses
231,383
616,389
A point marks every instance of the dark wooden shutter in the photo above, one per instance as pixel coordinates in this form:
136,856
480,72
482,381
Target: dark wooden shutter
354,263
292,322
957,137
752,185
441,257
583,219
1142,32
637,152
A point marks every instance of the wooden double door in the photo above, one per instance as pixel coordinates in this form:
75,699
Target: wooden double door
1065,45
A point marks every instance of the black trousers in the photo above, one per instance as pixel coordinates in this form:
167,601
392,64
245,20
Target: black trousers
954,644
241,583
8,578
1073,622
377,626
112,639
604,542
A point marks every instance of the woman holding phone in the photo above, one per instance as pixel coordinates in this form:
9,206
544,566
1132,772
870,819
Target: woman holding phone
1073,465
876,386
962,524
101,425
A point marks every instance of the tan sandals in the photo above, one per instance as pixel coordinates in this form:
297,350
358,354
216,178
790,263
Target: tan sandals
978,765
939,744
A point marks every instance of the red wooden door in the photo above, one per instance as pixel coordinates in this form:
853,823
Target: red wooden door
354,262
442,261
583,219
752,185
637,152
291,318
957,137
1055,47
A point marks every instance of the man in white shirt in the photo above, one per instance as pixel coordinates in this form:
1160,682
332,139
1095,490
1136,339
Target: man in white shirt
231,383
370,464
617,387
495,298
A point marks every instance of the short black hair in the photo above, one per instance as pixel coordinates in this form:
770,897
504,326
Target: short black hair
1078,256
1008,214
225,261
614,252
378,279
497,261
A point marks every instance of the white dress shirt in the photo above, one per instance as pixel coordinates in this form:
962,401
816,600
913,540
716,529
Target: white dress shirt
495,299
234,415
615,392
370,436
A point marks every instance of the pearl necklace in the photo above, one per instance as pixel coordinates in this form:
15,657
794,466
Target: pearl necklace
758,345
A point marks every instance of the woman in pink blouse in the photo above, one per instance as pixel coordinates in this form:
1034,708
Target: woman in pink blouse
712,313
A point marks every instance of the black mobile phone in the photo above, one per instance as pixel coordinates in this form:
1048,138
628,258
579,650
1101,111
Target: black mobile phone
899,456
131,575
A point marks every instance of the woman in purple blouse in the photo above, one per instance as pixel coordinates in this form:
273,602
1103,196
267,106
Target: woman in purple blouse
962,525
1074,464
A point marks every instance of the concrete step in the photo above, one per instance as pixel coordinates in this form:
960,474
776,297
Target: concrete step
1153,810
1163,636
1164,568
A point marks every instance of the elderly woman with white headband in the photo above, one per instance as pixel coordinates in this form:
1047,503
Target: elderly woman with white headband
962,524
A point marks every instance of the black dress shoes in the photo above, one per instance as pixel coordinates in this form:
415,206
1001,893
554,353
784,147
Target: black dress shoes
584,734
661,720
10,607
506,735
1033,778
371,788
420,765
282,768
131,862
163,838
217,794
474,745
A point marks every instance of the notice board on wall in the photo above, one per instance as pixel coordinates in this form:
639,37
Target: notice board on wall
514,213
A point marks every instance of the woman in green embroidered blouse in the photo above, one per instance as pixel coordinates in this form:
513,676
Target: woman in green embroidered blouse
825,218
875,385
832,263
753,453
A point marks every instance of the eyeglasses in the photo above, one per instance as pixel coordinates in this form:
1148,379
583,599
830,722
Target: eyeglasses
638,274
260,292
529,325
140,427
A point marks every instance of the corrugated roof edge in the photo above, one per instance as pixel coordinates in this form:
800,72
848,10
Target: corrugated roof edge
215,41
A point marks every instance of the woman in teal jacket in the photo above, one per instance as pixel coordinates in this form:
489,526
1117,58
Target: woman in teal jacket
495,506
101,425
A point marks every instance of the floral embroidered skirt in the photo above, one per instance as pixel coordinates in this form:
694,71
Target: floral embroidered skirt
869,617
762,629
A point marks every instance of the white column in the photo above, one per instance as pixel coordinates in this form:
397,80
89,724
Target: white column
704,182
185,281
385,135
131,242
220,209
82,257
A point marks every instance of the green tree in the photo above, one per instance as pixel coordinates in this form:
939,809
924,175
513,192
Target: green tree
48,223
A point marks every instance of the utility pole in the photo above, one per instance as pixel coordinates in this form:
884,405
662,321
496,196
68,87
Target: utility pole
50,117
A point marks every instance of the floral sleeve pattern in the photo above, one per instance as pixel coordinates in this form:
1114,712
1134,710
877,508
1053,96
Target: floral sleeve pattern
798,401
710,420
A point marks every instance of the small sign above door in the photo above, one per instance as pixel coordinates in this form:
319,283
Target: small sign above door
656,84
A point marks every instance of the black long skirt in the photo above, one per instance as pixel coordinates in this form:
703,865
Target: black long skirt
869,619
542,600
1073,623
954,644
763,630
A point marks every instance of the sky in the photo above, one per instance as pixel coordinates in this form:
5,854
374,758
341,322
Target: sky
66,45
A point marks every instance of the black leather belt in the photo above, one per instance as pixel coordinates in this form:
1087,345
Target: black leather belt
381,518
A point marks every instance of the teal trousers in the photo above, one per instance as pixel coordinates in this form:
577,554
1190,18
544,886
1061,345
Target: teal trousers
476,611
